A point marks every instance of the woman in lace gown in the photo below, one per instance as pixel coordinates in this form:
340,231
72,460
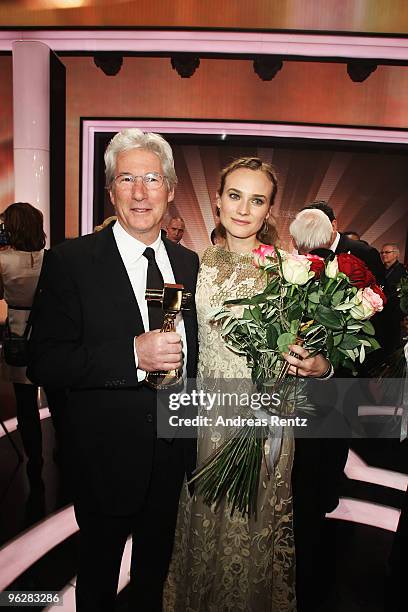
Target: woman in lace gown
220,562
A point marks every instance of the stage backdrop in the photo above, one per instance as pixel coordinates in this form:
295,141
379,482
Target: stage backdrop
367,185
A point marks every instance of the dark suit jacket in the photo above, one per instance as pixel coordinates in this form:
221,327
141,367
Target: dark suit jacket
84,320
319,463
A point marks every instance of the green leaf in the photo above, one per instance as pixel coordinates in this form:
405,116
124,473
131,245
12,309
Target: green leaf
368,328
219,315
337,298
295,313
325,300
262,298
349,342
236,301
348,363
349,354
337,338
272,296
329,343
328,317
345,306
284,340
294,326
273,286
374,344
314,297
256,313
229,327
271,336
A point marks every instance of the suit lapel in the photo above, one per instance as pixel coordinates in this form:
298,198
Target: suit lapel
342,245
179,263
112,275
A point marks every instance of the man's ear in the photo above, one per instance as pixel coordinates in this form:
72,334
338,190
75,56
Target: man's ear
334,225
170,195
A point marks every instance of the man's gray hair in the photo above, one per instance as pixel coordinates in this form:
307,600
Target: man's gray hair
393,245
133,138
175,218
311,229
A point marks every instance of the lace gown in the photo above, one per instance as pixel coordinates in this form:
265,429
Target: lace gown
222,563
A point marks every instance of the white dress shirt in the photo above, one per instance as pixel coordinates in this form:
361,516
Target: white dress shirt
333,247
131,251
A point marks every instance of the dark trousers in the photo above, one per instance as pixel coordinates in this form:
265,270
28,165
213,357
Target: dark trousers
103,537
396,597
316,479
29,426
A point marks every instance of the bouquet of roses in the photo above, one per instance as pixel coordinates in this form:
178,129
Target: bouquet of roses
324,306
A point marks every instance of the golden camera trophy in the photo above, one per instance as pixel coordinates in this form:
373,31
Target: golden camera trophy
173,299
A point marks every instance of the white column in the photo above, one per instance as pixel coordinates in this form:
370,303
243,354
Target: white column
31,125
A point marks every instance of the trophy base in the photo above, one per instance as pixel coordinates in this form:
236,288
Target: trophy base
164,380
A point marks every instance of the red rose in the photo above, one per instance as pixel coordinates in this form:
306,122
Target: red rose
316,264
356,270
379,292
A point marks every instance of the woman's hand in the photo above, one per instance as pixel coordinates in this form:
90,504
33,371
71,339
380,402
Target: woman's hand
303,365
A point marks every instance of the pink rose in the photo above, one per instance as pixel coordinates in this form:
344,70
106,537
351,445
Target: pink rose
261,253
373,298
379,292
366,303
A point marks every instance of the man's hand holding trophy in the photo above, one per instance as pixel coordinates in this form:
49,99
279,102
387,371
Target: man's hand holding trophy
172,299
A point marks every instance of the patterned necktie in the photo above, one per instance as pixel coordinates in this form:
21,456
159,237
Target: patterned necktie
154,281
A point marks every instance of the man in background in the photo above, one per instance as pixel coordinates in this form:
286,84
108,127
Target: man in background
340,243
318,468
394,271
175,229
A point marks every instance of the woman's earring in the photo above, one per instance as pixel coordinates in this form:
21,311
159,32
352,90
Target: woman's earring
265,227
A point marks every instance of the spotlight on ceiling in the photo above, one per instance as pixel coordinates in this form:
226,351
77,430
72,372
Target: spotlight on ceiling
110,63
360,70
267,66
185,64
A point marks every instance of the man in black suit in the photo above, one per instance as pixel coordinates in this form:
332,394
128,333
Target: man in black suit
318,462
340,243
93,334
318,470
394,272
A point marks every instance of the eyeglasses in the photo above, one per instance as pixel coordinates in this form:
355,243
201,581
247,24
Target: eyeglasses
387,252
151,180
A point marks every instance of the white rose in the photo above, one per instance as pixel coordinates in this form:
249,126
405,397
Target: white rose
332,268
296,270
